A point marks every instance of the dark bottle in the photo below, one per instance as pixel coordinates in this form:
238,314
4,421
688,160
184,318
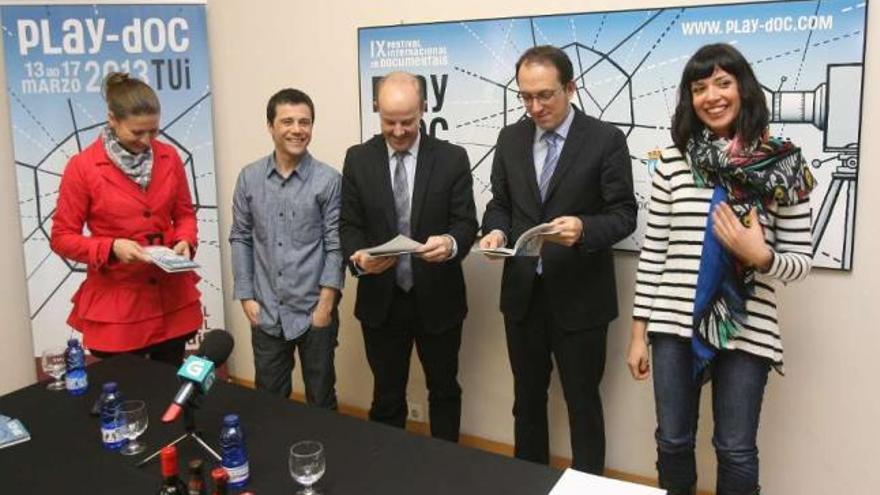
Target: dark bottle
196,482
220,478
171,482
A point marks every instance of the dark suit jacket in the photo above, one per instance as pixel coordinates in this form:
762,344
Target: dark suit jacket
592,180
442,203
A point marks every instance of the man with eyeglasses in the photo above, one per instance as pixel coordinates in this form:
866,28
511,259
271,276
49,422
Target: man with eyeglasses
563,167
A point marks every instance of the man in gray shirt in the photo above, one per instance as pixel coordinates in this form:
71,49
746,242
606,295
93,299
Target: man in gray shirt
286,256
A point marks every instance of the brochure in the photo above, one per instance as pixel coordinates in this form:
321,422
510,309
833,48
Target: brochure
395,247
528,244
12,432
168,260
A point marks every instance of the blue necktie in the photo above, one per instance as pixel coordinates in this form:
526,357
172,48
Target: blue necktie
550,161
403,273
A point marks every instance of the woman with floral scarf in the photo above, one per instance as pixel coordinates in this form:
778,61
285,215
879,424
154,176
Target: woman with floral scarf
729,219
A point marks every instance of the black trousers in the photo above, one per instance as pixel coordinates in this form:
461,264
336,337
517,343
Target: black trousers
388,351
169,351
580,357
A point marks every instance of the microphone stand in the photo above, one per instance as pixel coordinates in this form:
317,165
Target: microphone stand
190,432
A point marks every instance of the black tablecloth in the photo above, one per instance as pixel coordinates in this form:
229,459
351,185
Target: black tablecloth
65,454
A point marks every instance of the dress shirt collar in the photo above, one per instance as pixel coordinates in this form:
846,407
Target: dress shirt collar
563,128
413,150
303,170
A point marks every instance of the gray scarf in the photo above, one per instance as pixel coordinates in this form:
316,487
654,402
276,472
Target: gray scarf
138,167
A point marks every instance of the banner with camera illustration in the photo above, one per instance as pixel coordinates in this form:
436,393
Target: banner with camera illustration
807,55
56,58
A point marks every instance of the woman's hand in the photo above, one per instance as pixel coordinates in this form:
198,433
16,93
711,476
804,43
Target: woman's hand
746,243
637,357
128,251
182,249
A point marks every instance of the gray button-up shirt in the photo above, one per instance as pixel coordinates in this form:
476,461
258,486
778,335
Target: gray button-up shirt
285,241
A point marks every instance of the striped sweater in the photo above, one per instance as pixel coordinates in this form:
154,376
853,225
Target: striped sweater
670,260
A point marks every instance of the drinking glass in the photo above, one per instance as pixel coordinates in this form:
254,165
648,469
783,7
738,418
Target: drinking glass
307,464
54,366
133,422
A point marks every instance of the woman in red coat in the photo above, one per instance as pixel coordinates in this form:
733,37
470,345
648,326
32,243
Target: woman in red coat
130,191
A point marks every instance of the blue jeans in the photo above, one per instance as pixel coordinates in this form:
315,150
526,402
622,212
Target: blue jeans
738,380
274,361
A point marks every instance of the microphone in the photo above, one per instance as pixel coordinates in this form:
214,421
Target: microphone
197,372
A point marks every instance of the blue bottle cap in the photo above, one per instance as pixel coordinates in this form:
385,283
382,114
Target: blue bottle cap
109,387
73,343
230,420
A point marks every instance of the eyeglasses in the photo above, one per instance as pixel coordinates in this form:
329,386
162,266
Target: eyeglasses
542,97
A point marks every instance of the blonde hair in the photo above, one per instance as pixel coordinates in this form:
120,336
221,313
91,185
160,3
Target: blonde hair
126,95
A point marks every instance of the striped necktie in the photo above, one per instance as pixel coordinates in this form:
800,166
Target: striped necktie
403,273
552,139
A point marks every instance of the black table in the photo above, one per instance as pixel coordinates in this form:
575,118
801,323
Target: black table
65,454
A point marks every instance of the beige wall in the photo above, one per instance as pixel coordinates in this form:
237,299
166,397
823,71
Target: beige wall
17,348
818,434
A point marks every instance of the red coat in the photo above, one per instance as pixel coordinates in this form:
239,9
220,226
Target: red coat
122,307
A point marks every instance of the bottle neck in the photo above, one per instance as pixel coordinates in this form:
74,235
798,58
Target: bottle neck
170,469
220,488
197,475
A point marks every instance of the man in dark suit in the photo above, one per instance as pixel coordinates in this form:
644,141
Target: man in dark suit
406,182
563,167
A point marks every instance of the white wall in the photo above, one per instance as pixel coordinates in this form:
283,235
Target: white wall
818,432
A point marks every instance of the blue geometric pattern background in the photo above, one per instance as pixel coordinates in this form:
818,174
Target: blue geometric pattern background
808,56
57,110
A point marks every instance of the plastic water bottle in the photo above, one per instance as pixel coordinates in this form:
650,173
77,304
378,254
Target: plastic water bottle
111,423
234,459
96,406
76,380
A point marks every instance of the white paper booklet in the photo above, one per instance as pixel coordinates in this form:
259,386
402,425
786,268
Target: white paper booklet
395,247
166,259
528,244
12,432
577,483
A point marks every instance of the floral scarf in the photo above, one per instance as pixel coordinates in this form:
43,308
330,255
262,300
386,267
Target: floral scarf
755,176
138,167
